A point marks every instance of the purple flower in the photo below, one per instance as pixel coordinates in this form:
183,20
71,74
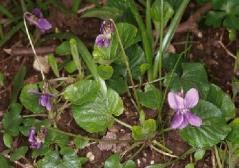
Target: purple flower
36,139
106,27
45,99
102,41
104,38
36,18
182,105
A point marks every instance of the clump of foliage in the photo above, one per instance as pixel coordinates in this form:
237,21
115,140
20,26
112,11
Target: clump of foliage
130,58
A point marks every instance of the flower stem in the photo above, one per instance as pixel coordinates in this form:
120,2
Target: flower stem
123,123
126,61
33,48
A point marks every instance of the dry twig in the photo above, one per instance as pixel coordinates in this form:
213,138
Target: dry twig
191,24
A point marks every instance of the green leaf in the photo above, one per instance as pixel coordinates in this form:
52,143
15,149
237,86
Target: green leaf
82,92
156,12
194,76
113,162
80,142
113,53
18,82
103,13
7,139
136,60
52,159
222,101
54,137
118,84
231,22
4,162
30,100
214,18
1,79
151,97
234,134
12,119
63,49
105,71
189,165
199,154
19,153
145,131
96,115
129,164
213,129
232,34
70,67
76,5
75,54
53,63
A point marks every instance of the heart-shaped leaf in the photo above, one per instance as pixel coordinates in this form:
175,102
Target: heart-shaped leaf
213,129
151,97
145,131
222,101
12,119
96,116
30,100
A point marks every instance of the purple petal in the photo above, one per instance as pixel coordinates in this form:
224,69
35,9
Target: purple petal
48,105
194,119
37,12
177,120
102,41
43,100
43,25
191,98
184,123
32,135
175,101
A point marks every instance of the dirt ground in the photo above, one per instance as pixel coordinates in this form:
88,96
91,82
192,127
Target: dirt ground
219,64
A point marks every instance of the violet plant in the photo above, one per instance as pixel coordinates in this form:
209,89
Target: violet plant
128,61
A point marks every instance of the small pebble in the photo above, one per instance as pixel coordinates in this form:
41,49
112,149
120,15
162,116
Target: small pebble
145,154
90,156
152,162
138,162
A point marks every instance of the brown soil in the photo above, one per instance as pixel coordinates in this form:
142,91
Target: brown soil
218,63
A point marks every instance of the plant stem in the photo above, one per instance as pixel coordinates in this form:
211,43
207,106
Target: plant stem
170,80
162,152
169,35
34,115
33,48
160,58
154,81
162,146
93,139
219,163
148,21
137,152
126,61
130,148
123,123
145,38
75,55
